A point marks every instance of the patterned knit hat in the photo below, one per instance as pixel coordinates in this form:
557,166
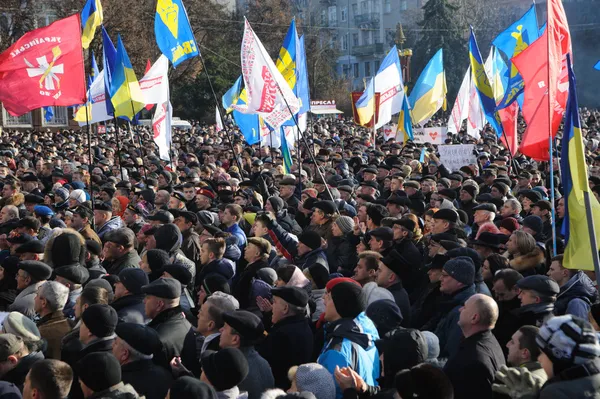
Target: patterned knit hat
568,341
345,223
314,378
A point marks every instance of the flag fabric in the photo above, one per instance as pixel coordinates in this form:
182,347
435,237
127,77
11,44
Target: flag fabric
91,18
460,110
429,93
268,93
109,59
536,64
302,89
365,106
597,66
174,34
389,85
232,95
509,118
44,67
48,114
154,84
268,136
482,84
476,120
287,64
218,120
161,126
512,42
285,153
96,105
250,125
405,122
94,71
148,67
575,228
125,93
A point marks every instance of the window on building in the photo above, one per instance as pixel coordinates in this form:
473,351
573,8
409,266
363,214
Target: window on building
16,121
60,117
323,17
366,37
344,14
345,42
355,39
376,37
356,74
377,65
364,7
355,9
376,7
388,6
404,5
332,16
367,68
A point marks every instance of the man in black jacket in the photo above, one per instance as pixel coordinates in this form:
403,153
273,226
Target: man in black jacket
506,294
162,306
119,252
290,341
404,230
129,299
256,254
473,367
390,269
134,348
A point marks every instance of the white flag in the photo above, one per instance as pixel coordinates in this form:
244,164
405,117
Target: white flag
476,120
161,125
389,85
267,90
155,83
460,110
218,120
98,98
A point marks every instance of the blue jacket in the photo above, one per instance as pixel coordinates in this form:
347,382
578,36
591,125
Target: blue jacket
113,223
447,329
237,231
221,266
351,343
576,296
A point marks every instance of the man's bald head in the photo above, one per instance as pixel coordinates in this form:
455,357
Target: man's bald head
480,313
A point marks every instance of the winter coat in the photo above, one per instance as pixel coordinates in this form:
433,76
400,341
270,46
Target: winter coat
53,327
289,343
287,221
237,231
219,266
351,343
130,309
8,226
316,296
310,258
179,257
24,301
324,230
576,296
69,309
473,367
100,345
529,264
532,315
410,276
468,208
260,376
89,234
147,378
447,329
172,328
243,286
119,391
341,254
130,259
17,375
503,329
426,305
113,223
70,346
191,246
581,381
401,298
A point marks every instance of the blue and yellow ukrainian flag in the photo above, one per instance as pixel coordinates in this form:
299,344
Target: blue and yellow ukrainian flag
125,93
302,90
109,60
94,71
232,95
429,93
404,120
174,35
285,152
483,86
365,106
91,18
575,227
249,124
286,62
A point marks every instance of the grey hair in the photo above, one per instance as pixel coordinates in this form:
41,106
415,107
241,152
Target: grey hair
55,294
223,301
514,204
12,210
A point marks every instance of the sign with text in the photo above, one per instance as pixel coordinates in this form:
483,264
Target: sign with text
455,157
433,135
389,131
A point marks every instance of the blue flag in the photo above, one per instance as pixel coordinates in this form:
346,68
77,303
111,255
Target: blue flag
109,59
249,124
231,96
48,114
512,42
597,66
302,90
174,34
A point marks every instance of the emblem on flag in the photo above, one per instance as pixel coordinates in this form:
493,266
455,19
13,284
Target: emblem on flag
48,71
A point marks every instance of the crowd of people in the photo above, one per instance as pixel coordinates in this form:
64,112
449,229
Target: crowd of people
366,271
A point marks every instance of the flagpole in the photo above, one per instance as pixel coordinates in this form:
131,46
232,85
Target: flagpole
138,135
552,197
118,140
374,111
89,135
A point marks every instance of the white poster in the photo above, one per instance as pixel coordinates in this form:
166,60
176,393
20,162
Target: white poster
455,157
433,135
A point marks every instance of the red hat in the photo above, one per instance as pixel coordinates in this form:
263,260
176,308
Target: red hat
510,224
206,193
335,281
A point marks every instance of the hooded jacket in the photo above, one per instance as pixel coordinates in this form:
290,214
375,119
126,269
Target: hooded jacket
576,296
288,223
113,223
220,266
341,254
66,248
351,343
169,239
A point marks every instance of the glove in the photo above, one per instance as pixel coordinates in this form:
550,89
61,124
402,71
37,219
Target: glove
518,383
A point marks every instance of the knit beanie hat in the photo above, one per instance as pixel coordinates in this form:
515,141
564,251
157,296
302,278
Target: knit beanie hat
471,189
385,314
319,275
461,269
99,371
214,282
511,224
433,345
191,387
348,299
277,203
67,249
157,259
61,193
373,292
311,239
100,319
224,369
568,341
18,324
534,222
78,195
168,238
345,223
314,378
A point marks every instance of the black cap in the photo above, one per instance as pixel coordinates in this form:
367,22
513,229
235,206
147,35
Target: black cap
190,217
371,184
34,199
179,272
443,237
99,371
19,238
162,216
191,387
33,246
178,195
224,369
38,270
292,295
543,205
490,240
167,288
407,223
397,263
382,233
103,206
446,214
133,279
140,337
543,285
100,319
486,207
247,324
328,207
75,273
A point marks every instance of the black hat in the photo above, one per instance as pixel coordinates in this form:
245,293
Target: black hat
311,239
543,205
167,288
490,240
247,324
98,370
179,272
407,223
100,319
449,193
398,200
19,238
319,274
543,285
348,298
224,369
190,217
397,263
140,337
287,181
446,214
534,223
165,217
462,269
33,246
214,282
179,196
502,187
133,279
103,206
191,387
371,184
382,233
75,273
93,247
486,207
370,170
292,295
34,199
38,270
328,207
123,236
29,177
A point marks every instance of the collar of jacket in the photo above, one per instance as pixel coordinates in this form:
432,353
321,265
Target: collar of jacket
51,316
166,315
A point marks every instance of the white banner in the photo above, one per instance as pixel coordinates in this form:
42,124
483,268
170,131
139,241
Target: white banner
161,125
155,83
389,131
433,135
455,157
98,96
267,90
460,110
218,120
